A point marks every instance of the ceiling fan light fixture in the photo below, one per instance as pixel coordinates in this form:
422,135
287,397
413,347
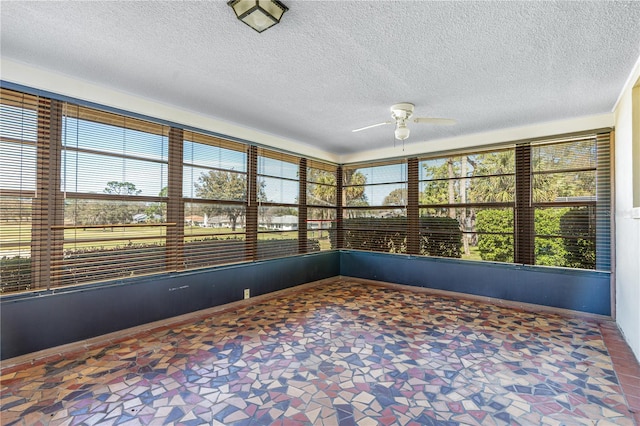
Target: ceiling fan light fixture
402,132
258,14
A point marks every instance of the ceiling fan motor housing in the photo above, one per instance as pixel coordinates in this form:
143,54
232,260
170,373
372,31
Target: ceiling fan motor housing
402,111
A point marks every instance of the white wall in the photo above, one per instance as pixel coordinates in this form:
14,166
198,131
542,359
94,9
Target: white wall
627,221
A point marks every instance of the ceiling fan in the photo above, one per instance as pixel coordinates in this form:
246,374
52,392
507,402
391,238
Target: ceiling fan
401,114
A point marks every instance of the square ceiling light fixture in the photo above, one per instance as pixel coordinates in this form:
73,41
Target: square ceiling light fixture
258,14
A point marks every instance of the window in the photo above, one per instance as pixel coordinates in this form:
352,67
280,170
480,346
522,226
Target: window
113,183
278,192
375,201
321,206
215,195
18,156
545,203
568,185
88,195
467,204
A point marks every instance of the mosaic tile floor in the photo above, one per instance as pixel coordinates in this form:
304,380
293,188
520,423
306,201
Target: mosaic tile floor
344,353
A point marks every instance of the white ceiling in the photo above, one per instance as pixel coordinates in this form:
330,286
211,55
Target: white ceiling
330,66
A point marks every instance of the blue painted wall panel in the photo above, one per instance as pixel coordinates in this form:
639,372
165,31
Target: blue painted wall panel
580,290
40,320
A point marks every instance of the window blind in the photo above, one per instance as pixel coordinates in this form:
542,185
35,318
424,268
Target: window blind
277,196
571,202
375,201
88,195
321,190
467,205
21,128
215,191
114,180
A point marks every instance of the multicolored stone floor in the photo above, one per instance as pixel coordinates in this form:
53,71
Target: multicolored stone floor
343,353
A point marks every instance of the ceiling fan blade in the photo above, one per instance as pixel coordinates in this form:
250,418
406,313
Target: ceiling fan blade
429,120
372,126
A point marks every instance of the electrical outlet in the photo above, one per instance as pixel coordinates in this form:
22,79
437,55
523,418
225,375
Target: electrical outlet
247,293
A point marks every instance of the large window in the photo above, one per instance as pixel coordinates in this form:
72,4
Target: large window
18,157
321,205
569,188
545,202
113,184
375,201
215,195
88,195
467,205
278,193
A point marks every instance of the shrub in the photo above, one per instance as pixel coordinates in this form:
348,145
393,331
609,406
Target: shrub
439,236
15,274
580,248
492,243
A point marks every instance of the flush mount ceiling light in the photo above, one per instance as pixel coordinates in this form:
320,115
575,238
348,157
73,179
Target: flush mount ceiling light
258,14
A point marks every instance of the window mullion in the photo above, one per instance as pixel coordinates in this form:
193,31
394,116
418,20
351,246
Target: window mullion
413,210
302,207
251,244
524,215
175,203
47,235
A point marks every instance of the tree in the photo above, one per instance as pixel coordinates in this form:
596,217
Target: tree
397,197
118,212
500,187
158,210
105,212
121,188
470,179
323,189
354,194
225,186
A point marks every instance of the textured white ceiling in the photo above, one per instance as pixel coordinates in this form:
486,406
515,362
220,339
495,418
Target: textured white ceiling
331,66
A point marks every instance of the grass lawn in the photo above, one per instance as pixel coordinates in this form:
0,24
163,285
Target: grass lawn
16,237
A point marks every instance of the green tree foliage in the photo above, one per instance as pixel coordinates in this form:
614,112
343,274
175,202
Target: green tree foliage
397,197
498,188
119,211
354,190
476,178
121,188
14,209
105,212
494,245
225,186
579,224
576,155
549,248
323,187
440,236
15,274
